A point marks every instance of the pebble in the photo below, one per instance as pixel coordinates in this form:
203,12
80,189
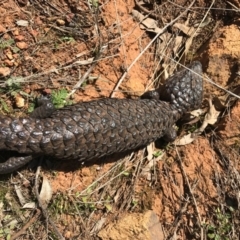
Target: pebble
4,71
22,45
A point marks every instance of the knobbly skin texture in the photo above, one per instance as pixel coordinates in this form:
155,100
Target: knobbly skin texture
97,128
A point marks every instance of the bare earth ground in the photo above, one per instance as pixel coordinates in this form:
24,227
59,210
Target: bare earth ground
175,192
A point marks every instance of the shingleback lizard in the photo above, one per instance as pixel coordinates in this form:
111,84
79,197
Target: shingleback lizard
98,128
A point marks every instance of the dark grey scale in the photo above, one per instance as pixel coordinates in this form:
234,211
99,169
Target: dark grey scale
85,126
103,149
122,111
30,124
105,133
15,126
106,120
90,109
130,125
46,145
79,108
69,151
112,123
71,126
76,116
113,113
58,127
75,152
47,123
134,132
95,119
59,153
78,133
66,119
122,131
47,133
101,103
97,128
97,138
86,115
4,120
83,148
139,126
125,104
11,139
33,144
38,126
131,119
100,113
123,121
56,139
24,135
20,146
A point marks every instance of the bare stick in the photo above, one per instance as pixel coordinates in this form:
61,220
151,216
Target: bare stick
191,192
26,226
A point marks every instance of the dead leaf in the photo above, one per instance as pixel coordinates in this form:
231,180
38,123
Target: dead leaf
210,118
150,148
185,29
46,192
177,45
146,23
212,115
21,199
98,225
84,62
30,205
186,139
22,23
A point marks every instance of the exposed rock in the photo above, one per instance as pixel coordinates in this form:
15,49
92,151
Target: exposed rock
135,226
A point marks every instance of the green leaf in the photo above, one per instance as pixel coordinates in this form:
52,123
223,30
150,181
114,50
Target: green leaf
157,154
85,199
211,235
4,105
108,206
125,173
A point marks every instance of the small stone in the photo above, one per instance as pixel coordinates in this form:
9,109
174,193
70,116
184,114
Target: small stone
2,29
26,58
19,38
22,45
9,55
46,30
4,71
20,101
135,226
9,63
22,23
60,22
38,21
34,32
16,32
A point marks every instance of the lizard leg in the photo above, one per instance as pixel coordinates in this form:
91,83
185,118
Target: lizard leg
45,108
